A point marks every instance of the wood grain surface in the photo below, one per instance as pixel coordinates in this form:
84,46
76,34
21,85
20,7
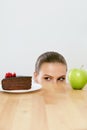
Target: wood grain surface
51,108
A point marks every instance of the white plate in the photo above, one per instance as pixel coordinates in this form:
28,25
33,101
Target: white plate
33,88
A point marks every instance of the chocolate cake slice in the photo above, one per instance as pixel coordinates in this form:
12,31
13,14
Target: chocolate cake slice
17,83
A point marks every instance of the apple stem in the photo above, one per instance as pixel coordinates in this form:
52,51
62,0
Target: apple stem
82,66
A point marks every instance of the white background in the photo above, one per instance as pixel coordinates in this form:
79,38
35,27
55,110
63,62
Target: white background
31,27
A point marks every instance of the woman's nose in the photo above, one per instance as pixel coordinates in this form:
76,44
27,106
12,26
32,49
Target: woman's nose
54,82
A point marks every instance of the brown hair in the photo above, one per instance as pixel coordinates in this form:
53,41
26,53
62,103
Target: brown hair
49,57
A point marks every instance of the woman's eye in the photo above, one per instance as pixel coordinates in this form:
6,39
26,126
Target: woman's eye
47,78
61,79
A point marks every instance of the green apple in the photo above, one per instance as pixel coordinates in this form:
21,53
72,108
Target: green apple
77,78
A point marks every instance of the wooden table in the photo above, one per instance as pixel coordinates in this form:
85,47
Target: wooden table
50,108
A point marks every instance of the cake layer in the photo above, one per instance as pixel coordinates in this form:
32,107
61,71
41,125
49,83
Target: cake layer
17,83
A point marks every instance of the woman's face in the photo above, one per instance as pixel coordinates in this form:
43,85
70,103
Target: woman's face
51,73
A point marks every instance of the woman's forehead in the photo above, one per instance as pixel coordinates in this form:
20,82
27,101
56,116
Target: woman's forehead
53,68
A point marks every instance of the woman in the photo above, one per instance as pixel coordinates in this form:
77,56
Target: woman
50,67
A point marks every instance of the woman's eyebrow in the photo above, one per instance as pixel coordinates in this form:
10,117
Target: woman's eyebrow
46,75
63,76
